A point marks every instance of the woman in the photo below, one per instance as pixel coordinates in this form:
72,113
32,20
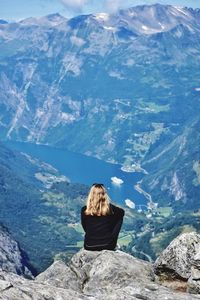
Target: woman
101,220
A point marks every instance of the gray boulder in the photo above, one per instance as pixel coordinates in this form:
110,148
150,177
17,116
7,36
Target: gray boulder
105,271
59,275
15,287
194,280
109,275
96,275
119,276
177,259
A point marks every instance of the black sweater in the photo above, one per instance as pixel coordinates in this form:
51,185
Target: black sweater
101,232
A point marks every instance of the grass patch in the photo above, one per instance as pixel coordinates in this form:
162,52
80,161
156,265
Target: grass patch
196,168
165,211
196,213
78,227
125,240
151,107
79,244
188,228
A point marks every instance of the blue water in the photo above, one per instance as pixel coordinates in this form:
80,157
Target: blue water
88,170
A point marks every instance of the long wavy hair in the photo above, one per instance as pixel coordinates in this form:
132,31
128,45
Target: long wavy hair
98,202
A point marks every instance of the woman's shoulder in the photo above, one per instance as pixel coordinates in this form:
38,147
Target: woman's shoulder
116,209
83,208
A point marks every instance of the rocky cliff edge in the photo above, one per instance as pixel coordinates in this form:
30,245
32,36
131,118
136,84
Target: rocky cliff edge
112,275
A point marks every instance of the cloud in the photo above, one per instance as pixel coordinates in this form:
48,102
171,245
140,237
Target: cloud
74,5
113,5
93,5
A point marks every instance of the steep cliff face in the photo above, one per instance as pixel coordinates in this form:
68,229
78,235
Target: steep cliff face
174,175
11,257
95,275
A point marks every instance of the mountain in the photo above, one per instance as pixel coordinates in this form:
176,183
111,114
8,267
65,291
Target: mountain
3,21
122,87
48,21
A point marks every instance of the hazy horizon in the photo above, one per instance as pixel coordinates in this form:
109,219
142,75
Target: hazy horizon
22,9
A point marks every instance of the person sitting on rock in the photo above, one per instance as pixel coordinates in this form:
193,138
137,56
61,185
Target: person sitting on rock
100,220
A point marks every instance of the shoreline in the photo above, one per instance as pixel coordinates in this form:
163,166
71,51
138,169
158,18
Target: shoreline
133,169
138,188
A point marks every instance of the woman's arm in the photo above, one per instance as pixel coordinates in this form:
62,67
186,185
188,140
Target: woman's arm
83,219
117,227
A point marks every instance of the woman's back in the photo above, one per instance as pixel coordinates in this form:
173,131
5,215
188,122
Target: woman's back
101,231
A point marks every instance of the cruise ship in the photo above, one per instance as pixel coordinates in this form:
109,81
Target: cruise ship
117,180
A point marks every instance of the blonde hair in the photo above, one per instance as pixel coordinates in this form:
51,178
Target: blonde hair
98,202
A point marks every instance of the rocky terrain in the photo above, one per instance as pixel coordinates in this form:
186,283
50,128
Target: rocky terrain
12,259
179,262
113,275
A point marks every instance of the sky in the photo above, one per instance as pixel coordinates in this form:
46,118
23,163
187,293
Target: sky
14,10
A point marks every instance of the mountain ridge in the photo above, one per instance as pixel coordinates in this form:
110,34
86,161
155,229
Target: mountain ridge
111,89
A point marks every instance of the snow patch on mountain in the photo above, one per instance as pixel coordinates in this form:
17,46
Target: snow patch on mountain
116,74
111,28
182,10
129,63
102,16
148,30
162,26
77,41
68,118
71,63
20,109
176,188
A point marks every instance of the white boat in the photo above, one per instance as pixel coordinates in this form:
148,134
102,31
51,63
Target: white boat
116,180
130,203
